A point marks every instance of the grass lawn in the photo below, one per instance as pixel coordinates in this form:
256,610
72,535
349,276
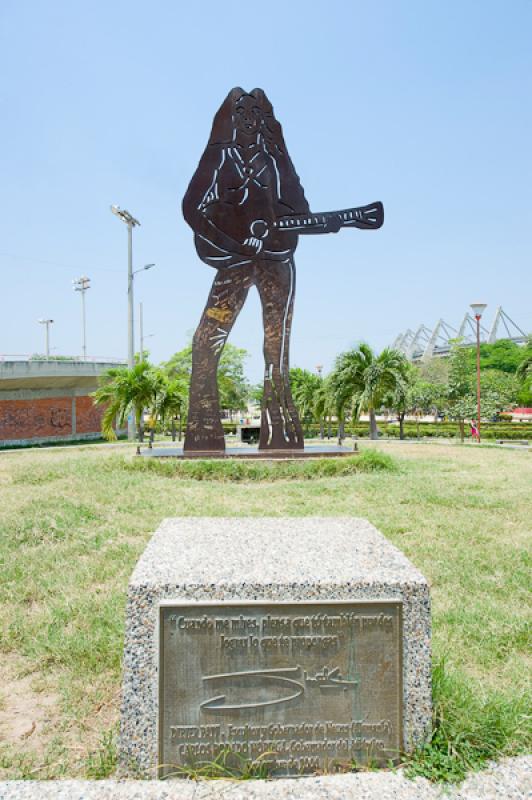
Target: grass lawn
73,523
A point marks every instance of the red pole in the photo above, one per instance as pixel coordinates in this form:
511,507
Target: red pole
477,317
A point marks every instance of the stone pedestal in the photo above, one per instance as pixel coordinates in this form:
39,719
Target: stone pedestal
306,637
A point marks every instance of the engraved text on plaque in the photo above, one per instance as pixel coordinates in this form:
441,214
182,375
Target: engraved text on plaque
305,686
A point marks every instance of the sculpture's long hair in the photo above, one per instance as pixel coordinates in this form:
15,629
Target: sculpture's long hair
223,132
223,126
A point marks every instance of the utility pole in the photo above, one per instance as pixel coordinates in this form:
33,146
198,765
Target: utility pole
131,222
81,285
143,336
141,324
478,310
46,322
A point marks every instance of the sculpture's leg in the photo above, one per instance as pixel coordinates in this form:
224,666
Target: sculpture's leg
226,298
280,425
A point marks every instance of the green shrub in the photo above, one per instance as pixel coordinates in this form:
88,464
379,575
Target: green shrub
447,430
234,469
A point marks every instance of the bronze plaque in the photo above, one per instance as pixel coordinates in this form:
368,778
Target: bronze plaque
304,687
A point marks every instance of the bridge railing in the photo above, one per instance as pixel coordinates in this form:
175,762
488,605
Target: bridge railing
5,357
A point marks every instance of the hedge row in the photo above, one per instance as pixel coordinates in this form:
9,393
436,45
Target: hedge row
489,430
448,430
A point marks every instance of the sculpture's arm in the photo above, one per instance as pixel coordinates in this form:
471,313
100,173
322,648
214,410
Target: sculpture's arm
196,198
291,194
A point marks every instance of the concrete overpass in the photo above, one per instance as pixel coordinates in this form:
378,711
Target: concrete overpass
47,400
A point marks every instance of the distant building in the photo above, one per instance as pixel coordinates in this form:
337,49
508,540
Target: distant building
521,414
48,400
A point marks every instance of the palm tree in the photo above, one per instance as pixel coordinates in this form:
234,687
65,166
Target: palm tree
403,399
124,390
323,407
339,398
305,386
362,380
171,402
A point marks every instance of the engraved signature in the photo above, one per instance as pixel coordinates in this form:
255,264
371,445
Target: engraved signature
326,679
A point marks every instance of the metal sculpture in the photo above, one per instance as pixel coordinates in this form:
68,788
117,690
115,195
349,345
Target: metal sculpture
247,207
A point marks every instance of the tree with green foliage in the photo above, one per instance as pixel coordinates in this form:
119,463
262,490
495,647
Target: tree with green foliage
524,375
171,403
305,386
434,370
498,389
460,396
232,383
503,355
401,399
324,406
426,398
233,386
180,364
123,391
256,393
361,380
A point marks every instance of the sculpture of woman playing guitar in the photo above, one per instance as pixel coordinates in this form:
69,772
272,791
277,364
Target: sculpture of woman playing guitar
247,207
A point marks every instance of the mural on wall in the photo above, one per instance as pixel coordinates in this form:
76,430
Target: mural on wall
42,418
247,208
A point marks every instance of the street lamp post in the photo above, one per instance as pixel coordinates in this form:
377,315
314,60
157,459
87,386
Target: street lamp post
81,285
131,222
46,322
141,329
141,322
478,310
142,336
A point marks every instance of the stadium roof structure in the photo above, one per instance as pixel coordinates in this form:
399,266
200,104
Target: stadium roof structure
425,343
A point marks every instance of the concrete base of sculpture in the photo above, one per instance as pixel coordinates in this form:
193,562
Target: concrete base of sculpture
308,637
252,452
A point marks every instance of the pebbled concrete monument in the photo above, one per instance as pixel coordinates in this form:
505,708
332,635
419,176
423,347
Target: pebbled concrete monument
305,637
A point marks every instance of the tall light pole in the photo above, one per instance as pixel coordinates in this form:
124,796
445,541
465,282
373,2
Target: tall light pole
142,269
478,310
81,285
131,222
142,337
46,322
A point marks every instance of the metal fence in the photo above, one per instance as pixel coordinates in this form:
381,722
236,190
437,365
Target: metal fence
61,359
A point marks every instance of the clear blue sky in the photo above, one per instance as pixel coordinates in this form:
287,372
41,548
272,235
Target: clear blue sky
423,105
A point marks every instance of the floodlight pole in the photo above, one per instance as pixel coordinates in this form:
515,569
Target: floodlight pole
81,285
130,221
478,310
47,323
141,325
130,306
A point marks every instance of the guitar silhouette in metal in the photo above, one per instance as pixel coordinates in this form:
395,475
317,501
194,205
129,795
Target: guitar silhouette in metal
247,208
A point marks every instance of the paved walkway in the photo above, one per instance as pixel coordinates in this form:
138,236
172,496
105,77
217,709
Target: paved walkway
511,779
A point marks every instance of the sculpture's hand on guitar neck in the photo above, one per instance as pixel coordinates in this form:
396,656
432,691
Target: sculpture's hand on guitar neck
259,231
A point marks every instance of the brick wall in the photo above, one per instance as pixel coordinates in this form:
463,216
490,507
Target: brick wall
49,417
88,416
26,419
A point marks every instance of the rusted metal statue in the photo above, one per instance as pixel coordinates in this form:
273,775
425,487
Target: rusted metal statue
247,207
